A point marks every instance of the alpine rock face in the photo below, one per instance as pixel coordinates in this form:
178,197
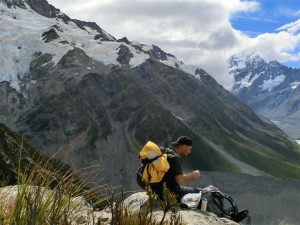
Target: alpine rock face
73,89
270,89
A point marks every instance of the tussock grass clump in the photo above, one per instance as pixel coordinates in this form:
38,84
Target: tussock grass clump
45,195
122,216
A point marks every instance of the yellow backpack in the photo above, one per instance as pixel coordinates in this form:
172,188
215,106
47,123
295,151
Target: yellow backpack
154,164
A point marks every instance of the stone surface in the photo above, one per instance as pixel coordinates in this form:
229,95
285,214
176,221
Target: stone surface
82,213
190,217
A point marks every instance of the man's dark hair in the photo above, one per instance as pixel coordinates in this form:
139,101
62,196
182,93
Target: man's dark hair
183,140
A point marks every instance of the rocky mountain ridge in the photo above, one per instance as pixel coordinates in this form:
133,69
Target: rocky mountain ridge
270,89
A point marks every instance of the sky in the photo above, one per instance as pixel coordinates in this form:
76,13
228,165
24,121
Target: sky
203,33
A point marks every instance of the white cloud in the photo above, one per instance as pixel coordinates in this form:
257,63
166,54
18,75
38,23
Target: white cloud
197,32
293,27
272,46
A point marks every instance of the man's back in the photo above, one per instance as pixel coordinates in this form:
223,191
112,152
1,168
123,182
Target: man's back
169,178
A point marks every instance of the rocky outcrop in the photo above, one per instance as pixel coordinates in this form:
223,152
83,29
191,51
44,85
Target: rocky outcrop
102,35
50,35
124,55
77,210
80,212
138,200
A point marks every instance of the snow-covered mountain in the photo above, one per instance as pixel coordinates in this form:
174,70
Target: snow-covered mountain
28,27
269,88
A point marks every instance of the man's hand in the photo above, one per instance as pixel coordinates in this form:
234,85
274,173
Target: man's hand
195,174
185,178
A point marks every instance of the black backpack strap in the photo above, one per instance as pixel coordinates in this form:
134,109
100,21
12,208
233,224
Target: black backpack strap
218,200
234,208
148,172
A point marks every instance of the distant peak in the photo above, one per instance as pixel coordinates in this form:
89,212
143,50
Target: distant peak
253,57
241,61
275,63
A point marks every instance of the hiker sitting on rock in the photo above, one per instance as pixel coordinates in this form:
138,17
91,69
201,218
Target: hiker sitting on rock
173,176
163,165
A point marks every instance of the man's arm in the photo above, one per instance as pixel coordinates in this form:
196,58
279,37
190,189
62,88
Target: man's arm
185,178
